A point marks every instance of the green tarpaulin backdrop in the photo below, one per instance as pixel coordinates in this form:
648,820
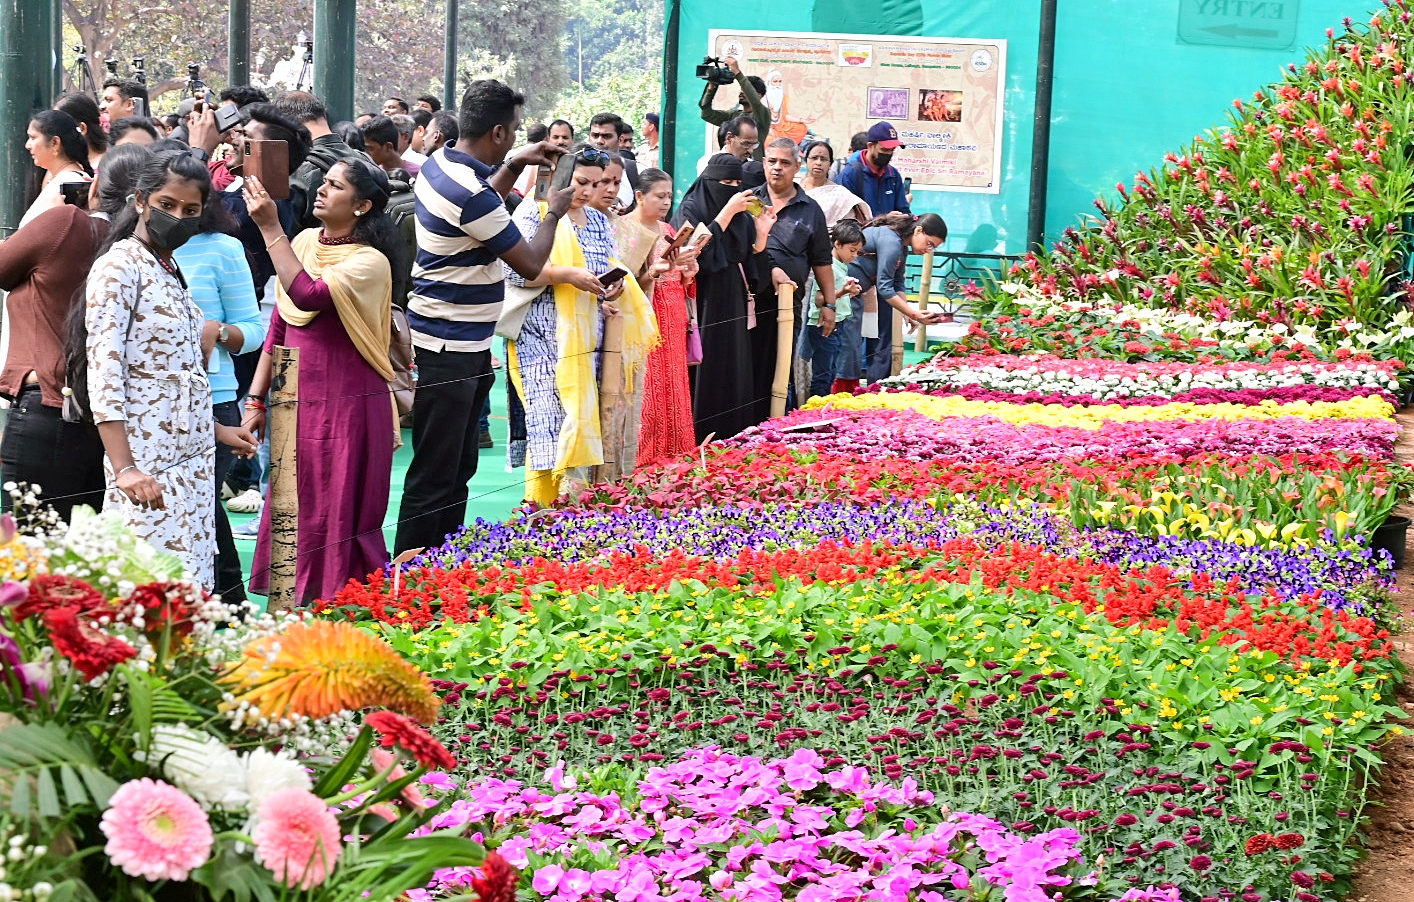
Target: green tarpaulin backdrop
1133,80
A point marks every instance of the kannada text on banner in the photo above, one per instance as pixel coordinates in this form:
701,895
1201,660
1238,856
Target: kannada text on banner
944,95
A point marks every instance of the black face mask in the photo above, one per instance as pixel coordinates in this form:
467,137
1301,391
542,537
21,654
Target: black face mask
882,159
168,232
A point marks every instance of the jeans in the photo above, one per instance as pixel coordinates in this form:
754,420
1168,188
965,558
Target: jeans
230,582
64,459
452,392
822,364
879,359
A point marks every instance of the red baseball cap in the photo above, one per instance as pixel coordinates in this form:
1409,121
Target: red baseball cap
884,135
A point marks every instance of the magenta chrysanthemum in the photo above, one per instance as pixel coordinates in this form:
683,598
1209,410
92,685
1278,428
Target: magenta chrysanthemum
156,831
297,837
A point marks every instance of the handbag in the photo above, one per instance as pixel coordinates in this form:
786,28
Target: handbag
401,356
694,335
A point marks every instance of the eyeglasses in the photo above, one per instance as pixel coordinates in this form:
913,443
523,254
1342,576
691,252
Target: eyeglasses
592,156
749,145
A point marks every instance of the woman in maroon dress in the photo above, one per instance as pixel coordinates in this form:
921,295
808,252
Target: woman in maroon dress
335,305
666,431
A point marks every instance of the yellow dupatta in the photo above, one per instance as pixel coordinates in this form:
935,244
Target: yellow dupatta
361,283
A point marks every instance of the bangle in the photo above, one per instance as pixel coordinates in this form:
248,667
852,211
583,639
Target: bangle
254,404
270,245
124,470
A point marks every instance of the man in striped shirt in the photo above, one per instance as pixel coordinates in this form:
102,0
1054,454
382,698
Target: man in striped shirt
463,232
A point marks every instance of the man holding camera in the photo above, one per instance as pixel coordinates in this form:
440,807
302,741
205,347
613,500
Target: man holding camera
748,104
463,234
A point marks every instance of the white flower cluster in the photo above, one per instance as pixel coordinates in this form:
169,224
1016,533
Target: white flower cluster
325,736
1064,380
216,776
17,857
1346,333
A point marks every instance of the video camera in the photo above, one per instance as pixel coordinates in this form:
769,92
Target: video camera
714,71
194,82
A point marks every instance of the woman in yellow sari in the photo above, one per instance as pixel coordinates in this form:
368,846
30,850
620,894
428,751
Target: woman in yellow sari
555,324
335,305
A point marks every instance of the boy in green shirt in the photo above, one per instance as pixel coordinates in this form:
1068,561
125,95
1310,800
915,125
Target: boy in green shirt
824,350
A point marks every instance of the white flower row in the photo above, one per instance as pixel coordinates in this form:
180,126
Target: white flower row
1347,333
1063,379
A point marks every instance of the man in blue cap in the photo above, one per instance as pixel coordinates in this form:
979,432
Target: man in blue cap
872,178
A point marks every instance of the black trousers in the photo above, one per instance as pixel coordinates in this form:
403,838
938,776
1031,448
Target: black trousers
230,582
64,459
452,390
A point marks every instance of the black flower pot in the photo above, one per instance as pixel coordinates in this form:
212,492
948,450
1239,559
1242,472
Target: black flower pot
1390,536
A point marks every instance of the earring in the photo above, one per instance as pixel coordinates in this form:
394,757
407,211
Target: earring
358,212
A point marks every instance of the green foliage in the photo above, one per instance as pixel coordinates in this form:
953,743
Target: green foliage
611,37
1290,213
523,39
629,94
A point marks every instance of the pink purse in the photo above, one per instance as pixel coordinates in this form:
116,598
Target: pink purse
694,335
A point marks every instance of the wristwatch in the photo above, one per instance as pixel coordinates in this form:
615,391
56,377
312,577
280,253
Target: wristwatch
829,306
222,334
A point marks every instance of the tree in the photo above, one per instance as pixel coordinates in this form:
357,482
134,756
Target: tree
629,94
607,37
388,60
526,38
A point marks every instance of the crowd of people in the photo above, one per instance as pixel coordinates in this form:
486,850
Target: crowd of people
155,274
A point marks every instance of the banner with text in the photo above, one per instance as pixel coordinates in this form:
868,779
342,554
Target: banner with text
944,95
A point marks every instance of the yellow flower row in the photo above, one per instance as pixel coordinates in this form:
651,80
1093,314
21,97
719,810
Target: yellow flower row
1096,416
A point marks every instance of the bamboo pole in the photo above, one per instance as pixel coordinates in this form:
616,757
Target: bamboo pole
284,491
611,394
785,332
896,357
925,288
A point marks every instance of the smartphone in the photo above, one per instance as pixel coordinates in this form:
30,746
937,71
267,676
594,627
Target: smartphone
564,172
680,239
75,194
756,206
614,275
908,185
227,117
543,177
269,161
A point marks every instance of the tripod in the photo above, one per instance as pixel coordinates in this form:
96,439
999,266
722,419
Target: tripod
83,73
305,78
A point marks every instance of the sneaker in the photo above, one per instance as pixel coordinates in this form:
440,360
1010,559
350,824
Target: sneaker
248,530
247,502
227,493
485,440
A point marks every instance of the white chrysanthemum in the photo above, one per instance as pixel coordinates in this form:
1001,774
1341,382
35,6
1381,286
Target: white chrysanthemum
200,765
268,771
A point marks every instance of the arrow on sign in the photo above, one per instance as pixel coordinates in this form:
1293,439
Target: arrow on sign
1236,31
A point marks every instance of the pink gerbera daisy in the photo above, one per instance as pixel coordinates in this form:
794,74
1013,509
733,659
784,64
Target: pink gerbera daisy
297,837
156,831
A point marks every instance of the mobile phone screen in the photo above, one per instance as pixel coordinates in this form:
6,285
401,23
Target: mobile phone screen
614,275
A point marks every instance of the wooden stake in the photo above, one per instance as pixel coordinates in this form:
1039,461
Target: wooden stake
284,489
785,333
896,357
924,289
611,398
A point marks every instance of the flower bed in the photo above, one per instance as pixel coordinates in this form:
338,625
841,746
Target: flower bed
718,825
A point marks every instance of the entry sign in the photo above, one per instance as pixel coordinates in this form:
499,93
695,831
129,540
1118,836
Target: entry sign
1258,24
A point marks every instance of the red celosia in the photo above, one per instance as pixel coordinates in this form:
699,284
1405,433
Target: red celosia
395,729
496,881
92,651
48,592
